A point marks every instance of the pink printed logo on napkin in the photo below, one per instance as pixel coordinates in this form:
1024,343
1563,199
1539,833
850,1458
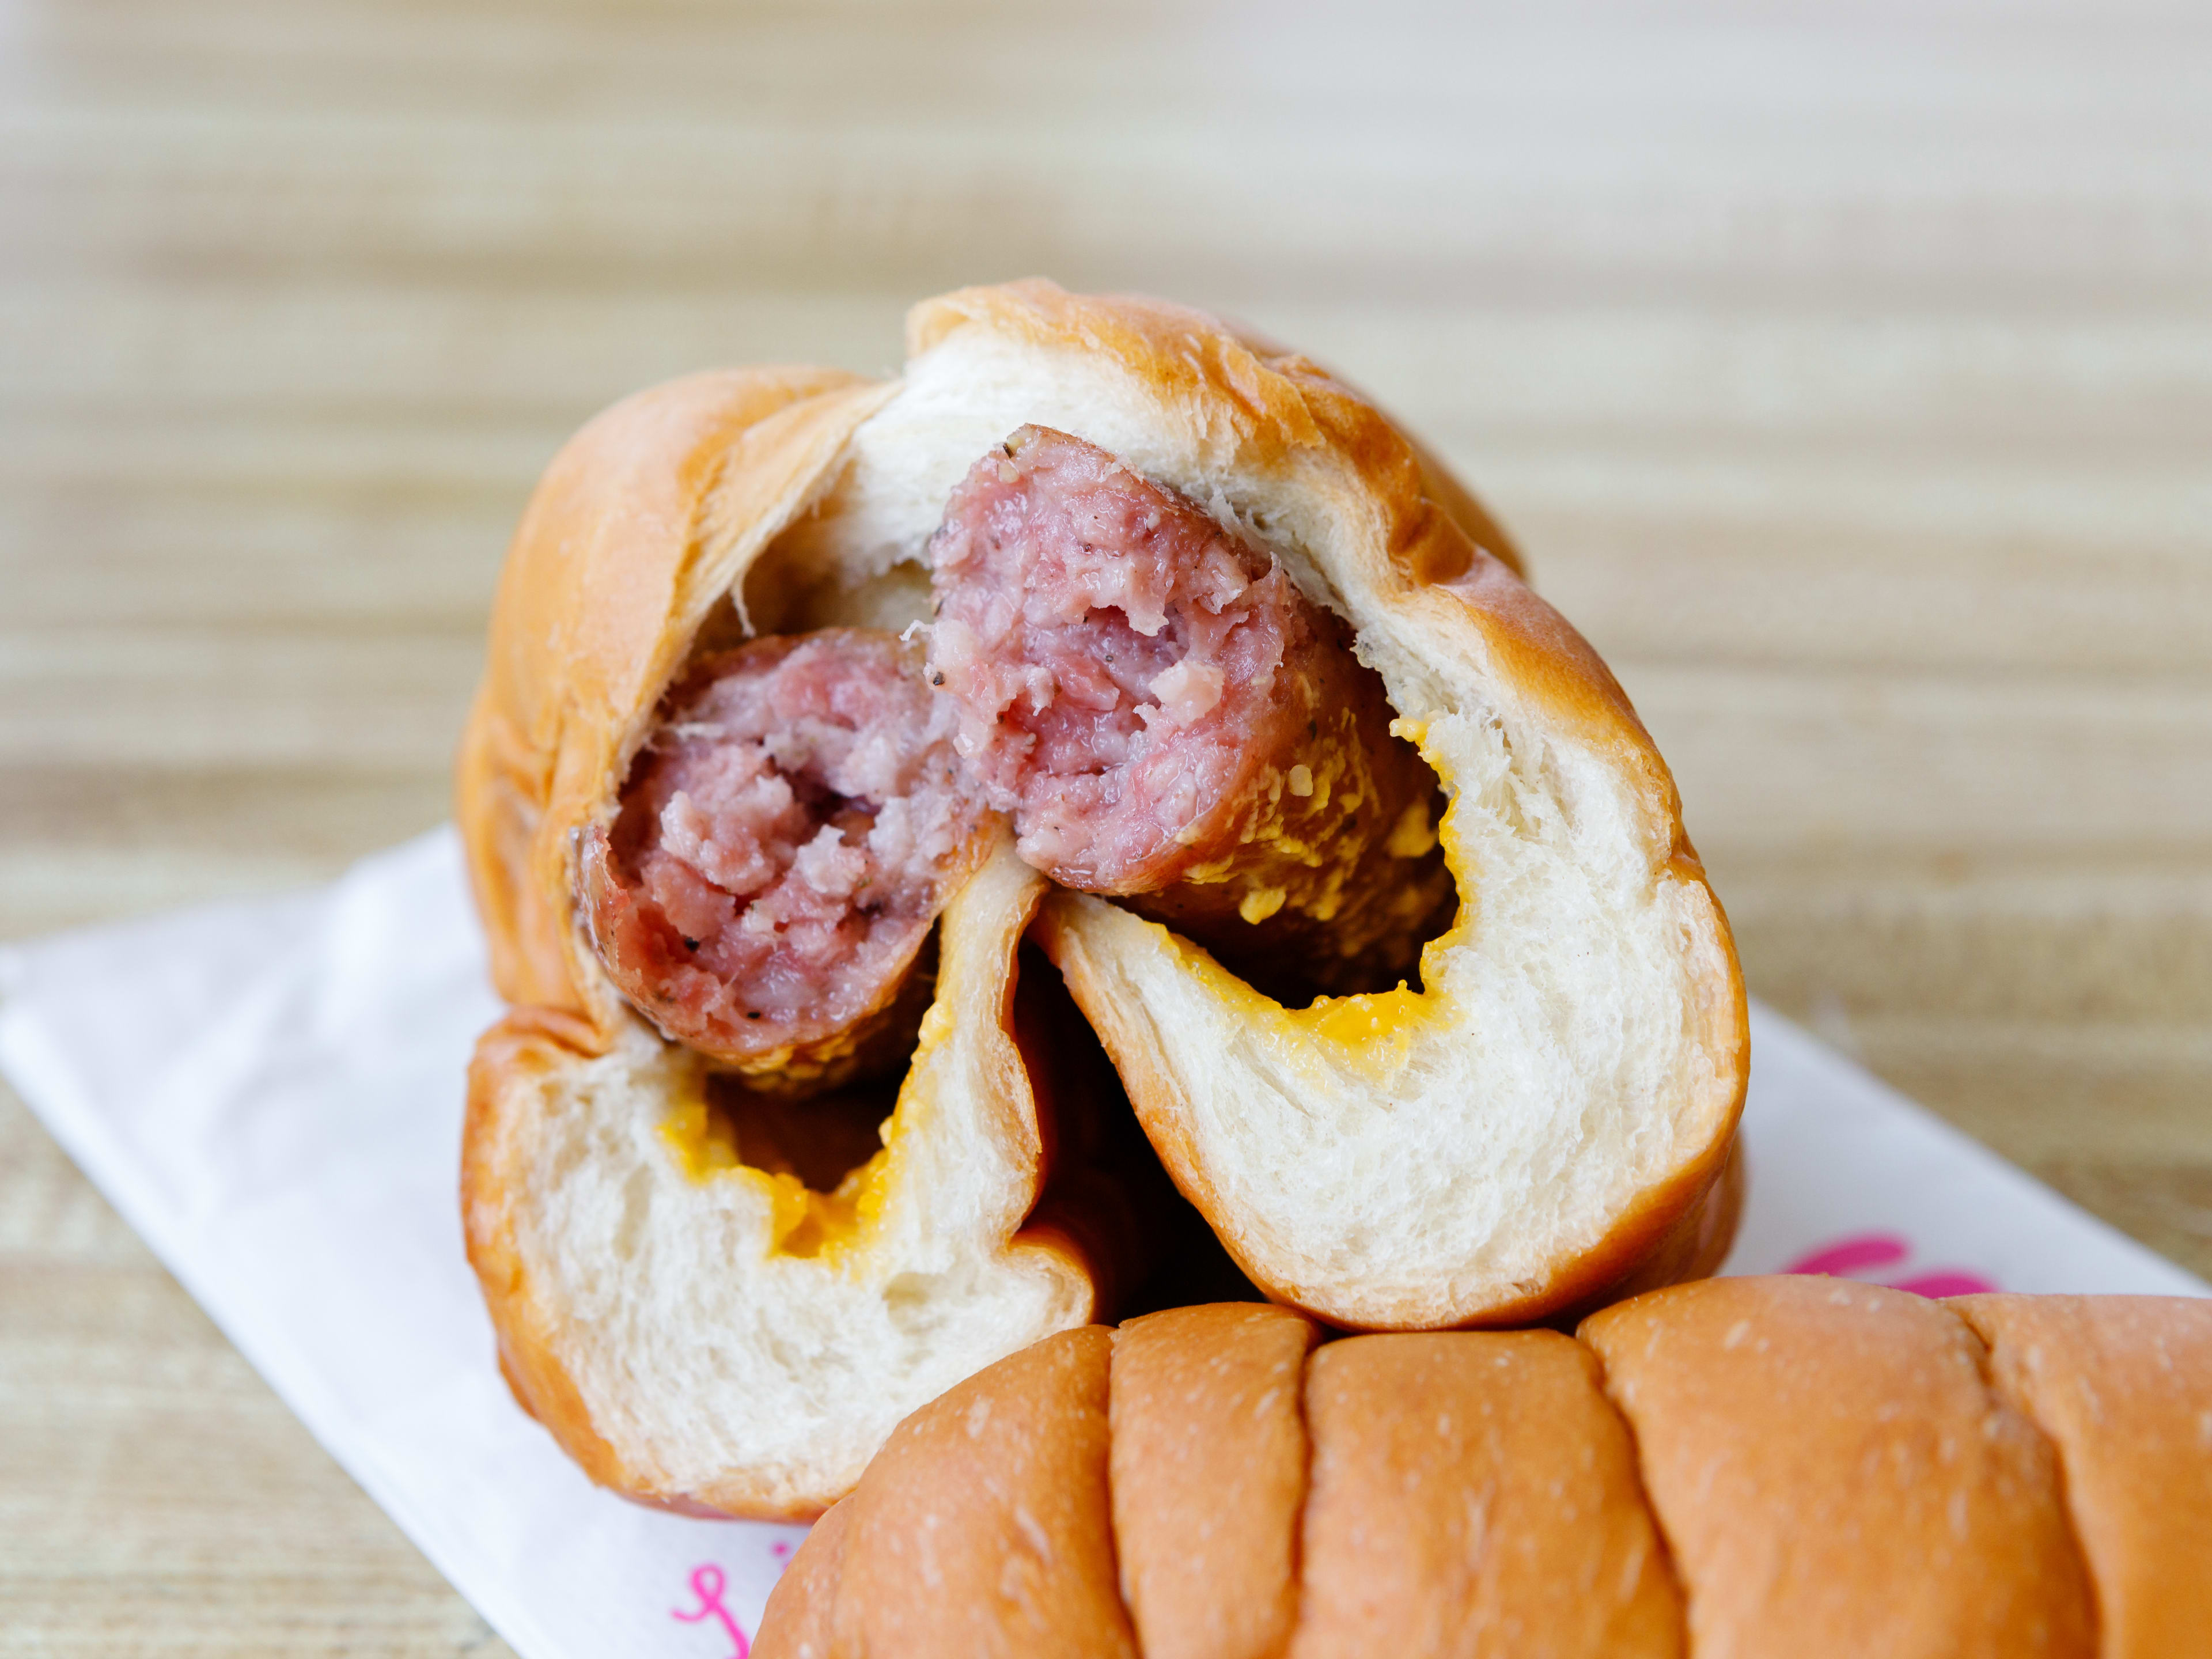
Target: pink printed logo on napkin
707,1583
1861,1254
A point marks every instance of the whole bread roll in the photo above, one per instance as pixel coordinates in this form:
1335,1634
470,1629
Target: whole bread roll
1766,1469
756,1164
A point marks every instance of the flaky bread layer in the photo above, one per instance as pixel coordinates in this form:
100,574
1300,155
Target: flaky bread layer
1742,1467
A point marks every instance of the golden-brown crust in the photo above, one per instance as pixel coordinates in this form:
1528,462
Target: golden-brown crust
1459,504
1474,1494
1835,1477
1209,1474
982,1528
1454,499
2123,1385
641,526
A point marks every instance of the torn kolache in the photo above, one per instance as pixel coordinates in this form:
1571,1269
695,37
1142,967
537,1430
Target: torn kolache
810,697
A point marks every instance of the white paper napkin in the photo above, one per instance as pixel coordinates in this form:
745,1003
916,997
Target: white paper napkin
270,1093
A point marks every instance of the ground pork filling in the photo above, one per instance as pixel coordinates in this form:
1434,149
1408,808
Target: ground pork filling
1166,715
1113,651
784,842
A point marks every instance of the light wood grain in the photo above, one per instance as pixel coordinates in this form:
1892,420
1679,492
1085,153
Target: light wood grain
1846,370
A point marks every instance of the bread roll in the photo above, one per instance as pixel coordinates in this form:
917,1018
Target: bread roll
2122,1385
803,1605
1777,1468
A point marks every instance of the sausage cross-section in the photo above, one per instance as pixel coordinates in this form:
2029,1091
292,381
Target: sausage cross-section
785,840
1170,720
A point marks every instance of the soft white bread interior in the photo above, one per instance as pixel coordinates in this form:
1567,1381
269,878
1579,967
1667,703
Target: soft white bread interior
712,1335
1561,1092
697,1325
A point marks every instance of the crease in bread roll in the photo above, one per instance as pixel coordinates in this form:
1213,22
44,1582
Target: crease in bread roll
719,1296
1741,1467
1834,1473
2123,1386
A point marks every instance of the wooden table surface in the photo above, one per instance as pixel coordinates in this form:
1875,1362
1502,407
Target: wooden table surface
1846,371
